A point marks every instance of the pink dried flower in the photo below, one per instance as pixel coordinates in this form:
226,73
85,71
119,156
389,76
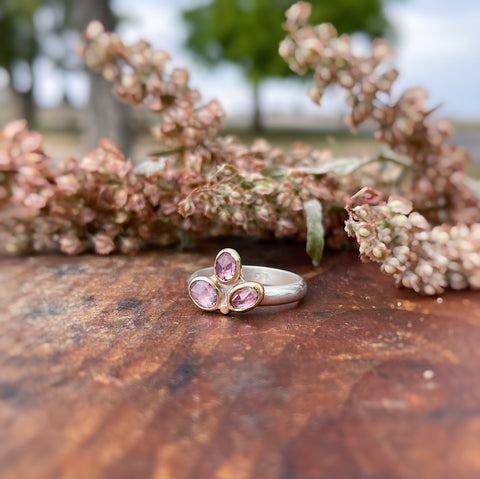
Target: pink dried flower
70,244
139,76
424,258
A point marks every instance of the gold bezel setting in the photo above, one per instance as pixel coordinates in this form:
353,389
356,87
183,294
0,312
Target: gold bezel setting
212,283
238,265
252,284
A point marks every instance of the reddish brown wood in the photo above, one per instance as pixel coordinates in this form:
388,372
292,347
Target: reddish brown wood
108,371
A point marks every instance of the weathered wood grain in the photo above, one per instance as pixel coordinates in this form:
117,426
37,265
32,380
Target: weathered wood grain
108,371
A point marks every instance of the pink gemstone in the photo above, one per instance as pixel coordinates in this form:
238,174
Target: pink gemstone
225,266
244,298
203,293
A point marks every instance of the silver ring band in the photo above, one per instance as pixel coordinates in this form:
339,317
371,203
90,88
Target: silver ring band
227,286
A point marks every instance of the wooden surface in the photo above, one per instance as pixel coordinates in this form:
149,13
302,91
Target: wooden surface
108,371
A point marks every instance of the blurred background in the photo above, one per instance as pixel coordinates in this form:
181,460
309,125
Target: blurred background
230,48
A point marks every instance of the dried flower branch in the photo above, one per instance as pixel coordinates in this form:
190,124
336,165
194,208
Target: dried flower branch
418,256
102,202
94,203
427,170
139,76
435,178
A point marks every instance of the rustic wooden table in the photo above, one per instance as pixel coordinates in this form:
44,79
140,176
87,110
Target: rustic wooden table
107,370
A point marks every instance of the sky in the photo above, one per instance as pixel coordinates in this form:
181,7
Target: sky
437,47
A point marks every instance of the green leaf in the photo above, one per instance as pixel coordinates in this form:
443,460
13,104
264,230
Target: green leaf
315,231
339,166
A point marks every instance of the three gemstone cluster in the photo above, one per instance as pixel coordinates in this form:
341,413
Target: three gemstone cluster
226,290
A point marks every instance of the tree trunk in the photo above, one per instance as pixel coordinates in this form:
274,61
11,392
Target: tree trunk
257,125
27,107
105,117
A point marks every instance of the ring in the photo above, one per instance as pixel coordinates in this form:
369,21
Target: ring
228,286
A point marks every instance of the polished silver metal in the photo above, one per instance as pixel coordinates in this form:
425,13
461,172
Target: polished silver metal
281,286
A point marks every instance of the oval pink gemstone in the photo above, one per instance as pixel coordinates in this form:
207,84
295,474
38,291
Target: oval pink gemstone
244,298
203,293
225,266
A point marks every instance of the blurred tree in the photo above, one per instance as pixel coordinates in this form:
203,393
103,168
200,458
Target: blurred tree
30,29
20,44
247,32
106,117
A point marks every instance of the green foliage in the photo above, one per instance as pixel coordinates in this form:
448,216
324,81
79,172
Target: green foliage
19,37
315,231
247,32
17,32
